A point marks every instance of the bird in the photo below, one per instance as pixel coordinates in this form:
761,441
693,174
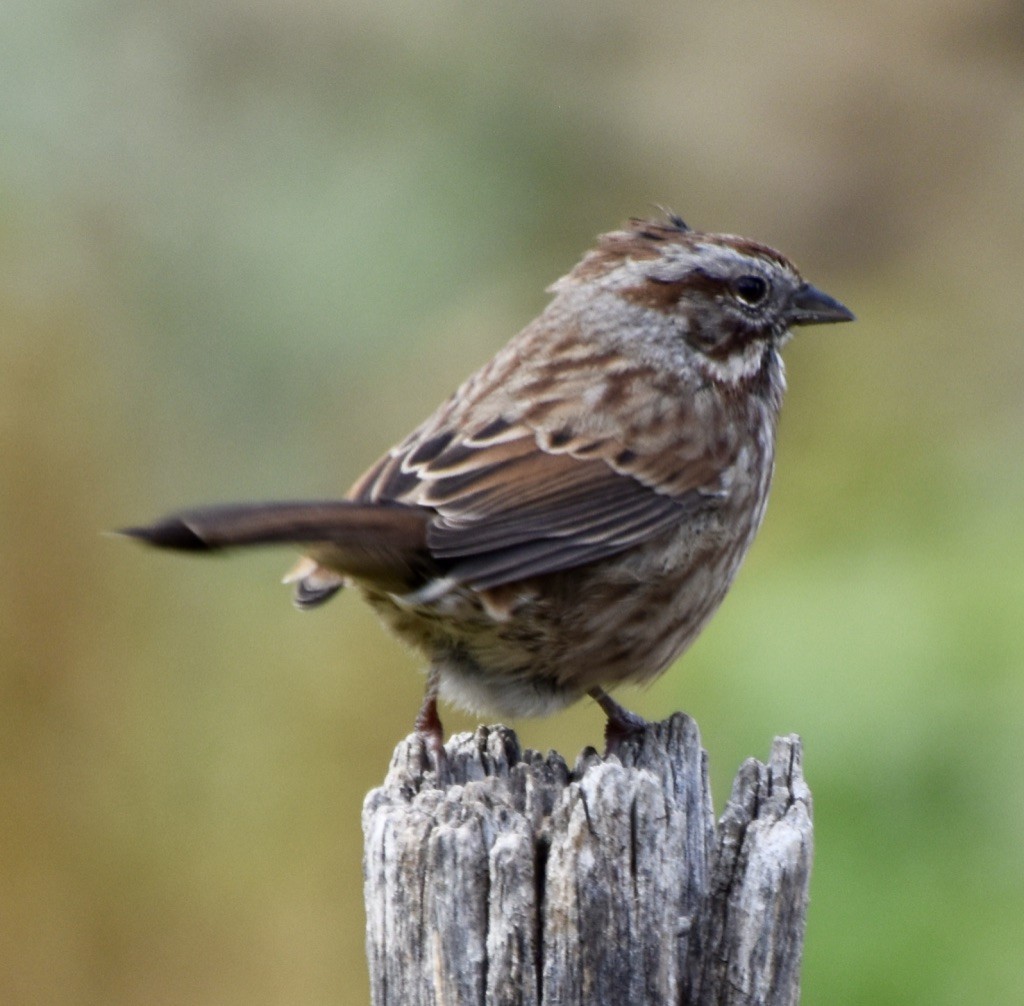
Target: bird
572,516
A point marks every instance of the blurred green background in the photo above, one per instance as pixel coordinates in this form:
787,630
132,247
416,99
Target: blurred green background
245,246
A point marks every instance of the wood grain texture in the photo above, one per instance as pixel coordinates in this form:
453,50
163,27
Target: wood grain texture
518,881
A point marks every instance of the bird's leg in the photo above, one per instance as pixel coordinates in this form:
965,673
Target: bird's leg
621,725
428,723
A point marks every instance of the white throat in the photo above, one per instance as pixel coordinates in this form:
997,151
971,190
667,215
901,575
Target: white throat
736,367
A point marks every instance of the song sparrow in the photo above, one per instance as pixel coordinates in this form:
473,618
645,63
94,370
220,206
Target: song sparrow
572,516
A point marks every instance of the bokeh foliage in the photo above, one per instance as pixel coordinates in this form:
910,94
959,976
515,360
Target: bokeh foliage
246,246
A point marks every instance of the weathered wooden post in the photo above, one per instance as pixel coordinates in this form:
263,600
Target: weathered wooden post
519,882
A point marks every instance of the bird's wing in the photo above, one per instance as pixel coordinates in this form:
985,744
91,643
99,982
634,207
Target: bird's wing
512,502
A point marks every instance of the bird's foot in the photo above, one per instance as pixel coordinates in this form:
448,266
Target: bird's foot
621,725
431,732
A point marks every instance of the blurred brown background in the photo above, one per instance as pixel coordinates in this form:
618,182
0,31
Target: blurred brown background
245,246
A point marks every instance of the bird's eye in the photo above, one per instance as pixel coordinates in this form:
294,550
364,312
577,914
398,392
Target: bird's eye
751,290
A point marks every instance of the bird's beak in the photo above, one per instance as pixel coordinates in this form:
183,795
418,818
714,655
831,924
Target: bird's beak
810,306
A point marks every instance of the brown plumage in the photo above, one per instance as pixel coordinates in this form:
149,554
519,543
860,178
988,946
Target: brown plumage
571,517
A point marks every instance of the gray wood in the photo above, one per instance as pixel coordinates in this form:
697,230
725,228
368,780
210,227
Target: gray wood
515,881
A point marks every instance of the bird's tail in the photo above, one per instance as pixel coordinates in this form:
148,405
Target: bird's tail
209,529
382,543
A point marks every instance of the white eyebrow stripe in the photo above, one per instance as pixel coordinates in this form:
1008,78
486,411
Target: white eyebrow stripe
678,261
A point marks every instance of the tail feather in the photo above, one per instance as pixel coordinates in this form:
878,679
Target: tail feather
313,583
309,594
385,542
208,529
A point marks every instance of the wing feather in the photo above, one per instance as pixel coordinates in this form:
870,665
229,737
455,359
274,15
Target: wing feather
494,567
535,465
510,509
